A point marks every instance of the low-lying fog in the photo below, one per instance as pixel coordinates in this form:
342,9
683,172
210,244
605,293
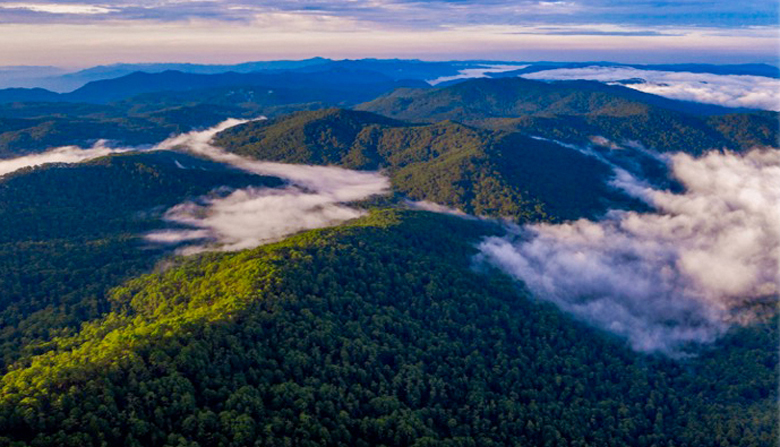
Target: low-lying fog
682,274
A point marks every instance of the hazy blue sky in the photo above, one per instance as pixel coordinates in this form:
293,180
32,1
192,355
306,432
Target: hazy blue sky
86,33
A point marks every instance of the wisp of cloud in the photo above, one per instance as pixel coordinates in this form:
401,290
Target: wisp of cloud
316,197
756,92
250,217
476,72
65,154
703,262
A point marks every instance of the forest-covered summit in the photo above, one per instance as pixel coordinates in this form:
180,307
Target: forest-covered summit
574,111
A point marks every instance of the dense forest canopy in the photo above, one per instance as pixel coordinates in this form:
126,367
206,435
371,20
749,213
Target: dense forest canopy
392,329
574,111
373,333
68,233
483,172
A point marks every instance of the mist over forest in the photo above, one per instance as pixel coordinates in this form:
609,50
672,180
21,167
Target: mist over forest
390,252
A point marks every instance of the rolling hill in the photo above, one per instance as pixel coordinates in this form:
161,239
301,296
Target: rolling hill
574,111
483,172
145,108
40,126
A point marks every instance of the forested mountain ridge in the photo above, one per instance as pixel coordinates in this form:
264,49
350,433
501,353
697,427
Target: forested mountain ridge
480,171
329,338
68,233
133,111
109,90
144,108
574,111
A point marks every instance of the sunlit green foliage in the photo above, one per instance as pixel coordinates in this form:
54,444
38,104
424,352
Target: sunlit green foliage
70,232
377,333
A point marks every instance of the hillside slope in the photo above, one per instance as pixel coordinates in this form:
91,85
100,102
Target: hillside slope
34,127
68,233
376,333
480,171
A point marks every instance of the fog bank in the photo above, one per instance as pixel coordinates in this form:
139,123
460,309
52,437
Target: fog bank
315,197
755,92
64,154
662,280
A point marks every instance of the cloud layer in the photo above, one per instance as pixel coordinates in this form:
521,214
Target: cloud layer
413,13
663,280
480,72
756,92
316,197
80,33
250,217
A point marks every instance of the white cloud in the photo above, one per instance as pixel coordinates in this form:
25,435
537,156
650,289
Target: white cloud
343,185
316,197
65,154
253,216
425,205
479,72
683,274
59,8
727,90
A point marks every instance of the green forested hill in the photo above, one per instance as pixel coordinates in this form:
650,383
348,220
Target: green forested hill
323,137
70,232
754,129
573,111
377,333
480,171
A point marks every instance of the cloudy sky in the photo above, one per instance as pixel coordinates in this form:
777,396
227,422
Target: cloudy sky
82,33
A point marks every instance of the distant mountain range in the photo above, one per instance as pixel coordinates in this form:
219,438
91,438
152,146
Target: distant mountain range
143,108
59,80
108,90
41,77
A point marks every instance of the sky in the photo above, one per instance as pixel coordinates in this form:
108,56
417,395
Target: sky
83,33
